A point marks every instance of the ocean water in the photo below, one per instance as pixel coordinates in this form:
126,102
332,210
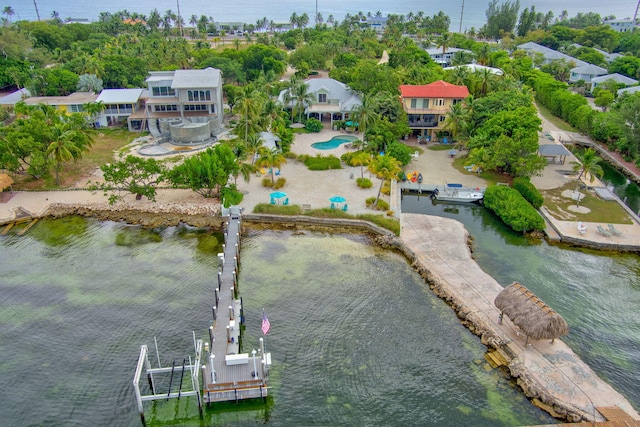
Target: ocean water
250,11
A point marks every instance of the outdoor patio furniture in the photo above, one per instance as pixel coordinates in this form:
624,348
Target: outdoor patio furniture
614,230
333,205
602,231
286,201
273,201
345,207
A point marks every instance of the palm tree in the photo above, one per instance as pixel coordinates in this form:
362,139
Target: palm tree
444,42
455,120
248,110
271,159
299,92
588,164
365,116
386,168
9,12
361,158
69,140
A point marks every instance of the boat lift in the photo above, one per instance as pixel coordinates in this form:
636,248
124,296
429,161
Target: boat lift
193,370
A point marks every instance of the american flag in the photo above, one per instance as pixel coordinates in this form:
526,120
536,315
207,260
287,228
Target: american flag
265,323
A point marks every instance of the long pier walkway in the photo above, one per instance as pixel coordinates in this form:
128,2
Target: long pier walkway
229,374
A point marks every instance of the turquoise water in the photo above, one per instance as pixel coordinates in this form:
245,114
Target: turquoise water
334,142
598,293
365,345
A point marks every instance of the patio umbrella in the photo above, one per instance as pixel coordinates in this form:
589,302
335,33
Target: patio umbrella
278,195
337,199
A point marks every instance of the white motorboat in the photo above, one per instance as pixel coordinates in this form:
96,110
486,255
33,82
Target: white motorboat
459,194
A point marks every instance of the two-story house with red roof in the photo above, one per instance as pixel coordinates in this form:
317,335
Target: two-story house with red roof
427,106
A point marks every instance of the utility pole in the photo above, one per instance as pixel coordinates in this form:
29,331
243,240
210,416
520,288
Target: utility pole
462,13
36,6
317,12
635,15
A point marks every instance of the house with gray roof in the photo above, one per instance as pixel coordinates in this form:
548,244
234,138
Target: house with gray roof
629,90
14,97
119,104
183,105
618,78
444,58
609,57
587,73
621,25
332,100
548,55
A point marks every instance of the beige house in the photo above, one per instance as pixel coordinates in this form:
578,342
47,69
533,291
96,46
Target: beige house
427,107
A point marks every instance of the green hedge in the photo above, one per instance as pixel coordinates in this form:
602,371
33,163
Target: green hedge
322,163
313,125
528,191
513,209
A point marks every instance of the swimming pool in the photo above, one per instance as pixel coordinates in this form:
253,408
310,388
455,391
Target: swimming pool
334,142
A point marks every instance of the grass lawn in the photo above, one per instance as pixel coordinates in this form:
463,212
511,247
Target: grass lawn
605,211
106,142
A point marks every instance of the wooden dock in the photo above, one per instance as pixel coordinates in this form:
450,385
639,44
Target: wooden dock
227,374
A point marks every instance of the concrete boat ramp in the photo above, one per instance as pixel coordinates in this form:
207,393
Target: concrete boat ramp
551,374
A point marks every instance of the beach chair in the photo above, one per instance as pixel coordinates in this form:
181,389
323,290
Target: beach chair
614,230
286,201
333,205
273,201
345,207
602,231
278,172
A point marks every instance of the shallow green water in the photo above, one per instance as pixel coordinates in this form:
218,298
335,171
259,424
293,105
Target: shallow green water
597,293
357,338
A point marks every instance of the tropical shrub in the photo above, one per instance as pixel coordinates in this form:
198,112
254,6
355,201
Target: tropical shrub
513,209
313,125
364,183
528,191
230,196
320,163
381,205
280,182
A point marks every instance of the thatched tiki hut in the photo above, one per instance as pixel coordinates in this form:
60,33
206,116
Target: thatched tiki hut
535,318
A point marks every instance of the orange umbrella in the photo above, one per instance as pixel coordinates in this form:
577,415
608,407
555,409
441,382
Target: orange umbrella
5,181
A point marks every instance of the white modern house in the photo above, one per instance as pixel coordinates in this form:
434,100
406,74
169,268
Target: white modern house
183,105
445,57
621,25
119,105
332,100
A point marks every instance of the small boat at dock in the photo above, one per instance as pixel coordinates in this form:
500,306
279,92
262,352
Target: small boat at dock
458,194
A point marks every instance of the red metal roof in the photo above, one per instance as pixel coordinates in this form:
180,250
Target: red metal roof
439,89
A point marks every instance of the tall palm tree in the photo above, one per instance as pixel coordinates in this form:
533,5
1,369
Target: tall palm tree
384,167
365,116
454,122
9,12
444,41
588,164
248,110
361,158
271,159
299,92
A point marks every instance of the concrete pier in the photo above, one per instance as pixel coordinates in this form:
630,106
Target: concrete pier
551,374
